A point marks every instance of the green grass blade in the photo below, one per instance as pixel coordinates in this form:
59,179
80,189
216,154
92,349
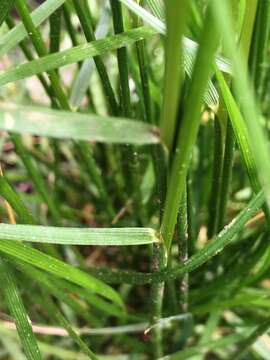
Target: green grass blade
189,128
75,54
17,310
157,8
62,321
240,131
14,36
189,46
82,80
12,197
5,8
245,344
245,96
213,248
76,126
37,178
59,269
222,342
78,236
176,14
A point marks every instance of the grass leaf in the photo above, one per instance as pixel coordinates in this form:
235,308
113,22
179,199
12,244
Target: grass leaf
78,236
59,269
75,54
14,36
76,126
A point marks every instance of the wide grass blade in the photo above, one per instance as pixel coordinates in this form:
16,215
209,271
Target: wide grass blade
76,126
76,236
14,36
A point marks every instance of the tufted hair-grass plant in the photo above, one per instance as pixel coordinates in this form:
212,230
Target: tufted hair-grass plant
134,179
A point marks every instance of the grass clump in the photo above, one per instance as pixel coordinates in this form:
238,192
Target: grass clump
134,179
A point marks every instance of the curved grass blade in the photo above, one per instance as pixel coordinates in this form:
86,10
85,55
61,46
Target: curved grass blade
14,36
78,236
76,126
17,310
59,269
5,8
75,54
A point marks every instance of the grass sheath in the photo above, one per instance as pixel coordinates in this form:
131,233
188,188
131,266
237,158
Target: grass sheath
134,197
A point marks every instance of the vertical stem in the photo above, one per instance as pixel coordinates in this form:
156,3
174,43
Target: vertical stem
84,15
159,263
182,237
214,203
129,152
189,127
176,16
244,43
226,174
35,36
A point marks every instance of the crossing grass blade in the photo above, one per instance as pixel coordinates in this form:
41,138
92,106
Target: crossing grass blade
213,248
112,233
14,36
74,55
78,236
76,126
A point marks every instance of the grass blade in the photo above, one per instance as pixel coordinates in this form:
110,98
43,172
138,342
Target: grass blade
76,126
14,36
247,102
17,310
176,21
188,130
5,8
59,269
76,236
75,54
